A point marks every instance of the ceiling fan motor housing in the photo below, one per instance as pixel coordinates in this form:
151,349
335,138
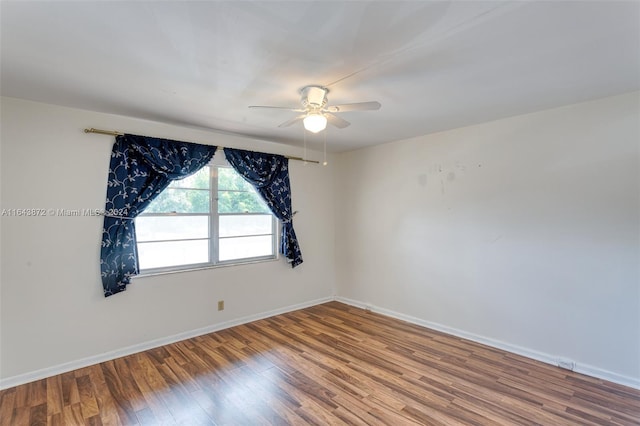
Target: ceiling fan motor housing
314,97
314,107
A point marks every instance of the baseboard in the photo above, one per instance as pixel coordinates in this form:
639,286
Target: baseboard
20,379
587,370
529,353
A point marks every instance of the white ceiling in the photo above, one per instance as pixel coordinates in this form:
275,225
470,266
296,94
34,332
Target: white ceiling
434,65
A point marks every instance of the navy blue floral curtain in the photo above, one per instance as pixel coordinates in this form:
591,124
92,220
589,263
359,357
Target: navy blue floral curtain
140,169
269,174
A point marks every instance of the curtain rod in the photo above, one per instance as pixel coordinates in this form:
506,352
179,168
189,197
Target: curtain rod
114,133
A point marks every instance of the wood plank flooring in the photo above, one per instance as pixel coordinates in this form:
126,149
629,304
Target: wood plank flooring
330,364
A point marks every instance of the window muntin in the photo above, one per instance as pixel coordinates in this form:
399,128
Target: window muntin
186,227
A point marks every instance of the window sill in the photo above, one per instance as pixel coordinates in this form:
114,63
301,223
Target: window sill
202,268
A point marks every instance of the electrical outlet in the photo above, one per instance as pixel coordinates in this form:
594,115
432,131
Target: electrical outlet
567,364
221,305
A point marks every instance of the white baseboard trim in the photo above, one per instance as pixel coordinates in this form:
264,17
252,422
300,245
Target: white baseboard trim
20,379
107,356
587,370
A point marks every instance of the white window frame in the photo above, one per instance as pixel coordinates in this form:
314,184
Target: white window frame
214,225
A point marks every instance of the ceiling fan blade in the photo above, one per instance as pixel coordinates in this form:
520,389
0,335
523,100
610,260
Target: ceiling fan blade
358,106
292,121
336,121
277,107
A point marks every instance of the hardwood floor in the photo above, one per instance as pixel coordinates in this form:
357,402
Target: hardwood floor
329,364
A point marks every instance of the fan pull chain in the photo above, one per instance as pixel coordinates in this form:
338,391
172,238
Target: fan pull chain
304,152
324,163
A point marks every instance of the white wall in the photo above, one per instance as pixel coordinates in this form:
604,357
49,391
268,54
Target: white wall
52,308
523,233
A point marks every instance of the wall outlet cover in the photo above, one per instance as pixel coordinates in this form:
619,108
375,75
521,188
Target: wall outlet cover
567,364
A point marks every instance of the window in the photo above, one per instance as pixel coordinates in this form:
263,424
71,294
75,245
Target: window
213,217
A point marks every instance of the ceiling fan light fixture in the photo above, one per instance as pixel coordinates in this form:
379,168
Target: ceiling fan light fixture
315,122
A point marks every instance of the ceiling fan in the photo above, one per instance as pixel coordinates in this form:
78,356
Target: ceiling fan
316,113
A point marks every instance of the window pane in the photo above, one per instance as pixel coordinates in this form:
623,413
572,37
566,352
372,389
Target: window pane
171,241
237,225
229,179
241,202
180,201
159,255
245,247
150,228
198,180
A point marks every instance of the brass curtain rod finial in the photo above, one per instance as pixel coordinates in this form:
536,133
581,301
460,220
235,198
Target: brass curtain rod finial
103,132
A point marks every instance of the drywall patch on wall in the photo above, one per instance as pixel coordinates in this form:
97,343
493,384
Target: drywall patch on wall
444,174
